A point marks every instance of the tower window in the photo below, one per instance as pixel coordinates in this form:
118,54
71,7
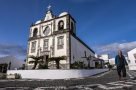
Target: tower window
60,42
35,32
45,45
33,47
61,25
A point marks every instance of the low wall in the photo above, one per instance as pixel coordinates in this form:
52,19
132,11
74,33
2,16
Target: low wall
56,74
132,67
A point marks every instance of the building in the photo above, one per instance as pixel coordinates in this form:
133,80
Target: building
132,59
112,61
104,57
98,63
55,36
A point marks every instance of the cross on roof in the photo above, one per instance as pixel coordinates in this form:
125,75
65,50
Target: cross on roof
49,7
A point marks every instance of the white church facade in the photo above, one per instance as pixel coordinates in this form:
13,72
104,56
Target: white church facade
55,36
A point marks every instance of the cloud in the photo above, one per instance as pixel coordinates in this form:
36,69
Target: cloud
14,50
113,48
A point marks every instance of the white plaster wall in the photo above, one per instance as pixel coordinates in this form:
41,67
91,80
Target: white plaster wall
132,64
61,52
77,50
40,45
105,57
58,52
112,61
132,67
55,74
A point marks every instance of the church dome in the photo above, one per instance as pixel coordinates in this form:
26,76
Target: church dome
63,13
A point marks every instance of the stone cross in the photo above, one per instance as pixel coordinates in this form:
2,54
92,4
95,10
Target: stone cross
49,7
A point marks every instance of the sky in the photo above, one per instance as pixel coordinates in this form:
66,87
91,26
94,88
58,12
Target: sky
104,25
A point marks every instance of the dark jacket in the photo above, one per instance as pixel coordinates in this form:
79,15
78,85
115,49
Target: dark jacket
121,62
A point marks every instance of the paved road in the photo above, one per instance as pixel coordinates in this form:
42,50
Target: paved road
105,81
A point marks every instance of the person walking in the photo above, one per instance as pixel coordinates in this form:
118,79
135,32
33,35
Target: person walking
120,62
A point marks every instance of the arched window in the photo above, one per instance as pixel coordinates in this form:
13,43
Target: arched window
61,25
35,32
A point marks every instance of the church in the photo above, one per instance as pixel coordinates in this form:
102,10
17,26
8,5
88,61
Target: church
55,36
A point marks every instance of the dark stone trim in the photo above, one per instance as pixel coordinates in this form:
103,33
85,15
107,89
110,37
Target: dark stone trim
69,35
56,33
60,31
69,50
82,43
72,18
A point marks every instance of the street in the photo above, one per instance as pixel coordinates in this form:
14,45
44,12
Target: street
104,81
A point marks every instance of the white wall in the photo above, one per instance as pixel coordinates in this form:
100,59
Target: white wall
112,61
55,74
77,50
61,52
105,57
53,25
132,64
57,52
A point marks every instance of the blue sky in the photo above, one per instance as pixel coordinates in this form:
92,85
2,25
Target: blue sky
102,24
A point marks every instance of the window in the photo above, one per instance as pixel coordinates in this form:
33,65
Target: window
33,47
45,44
46,31
61,25
35,32
60,42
